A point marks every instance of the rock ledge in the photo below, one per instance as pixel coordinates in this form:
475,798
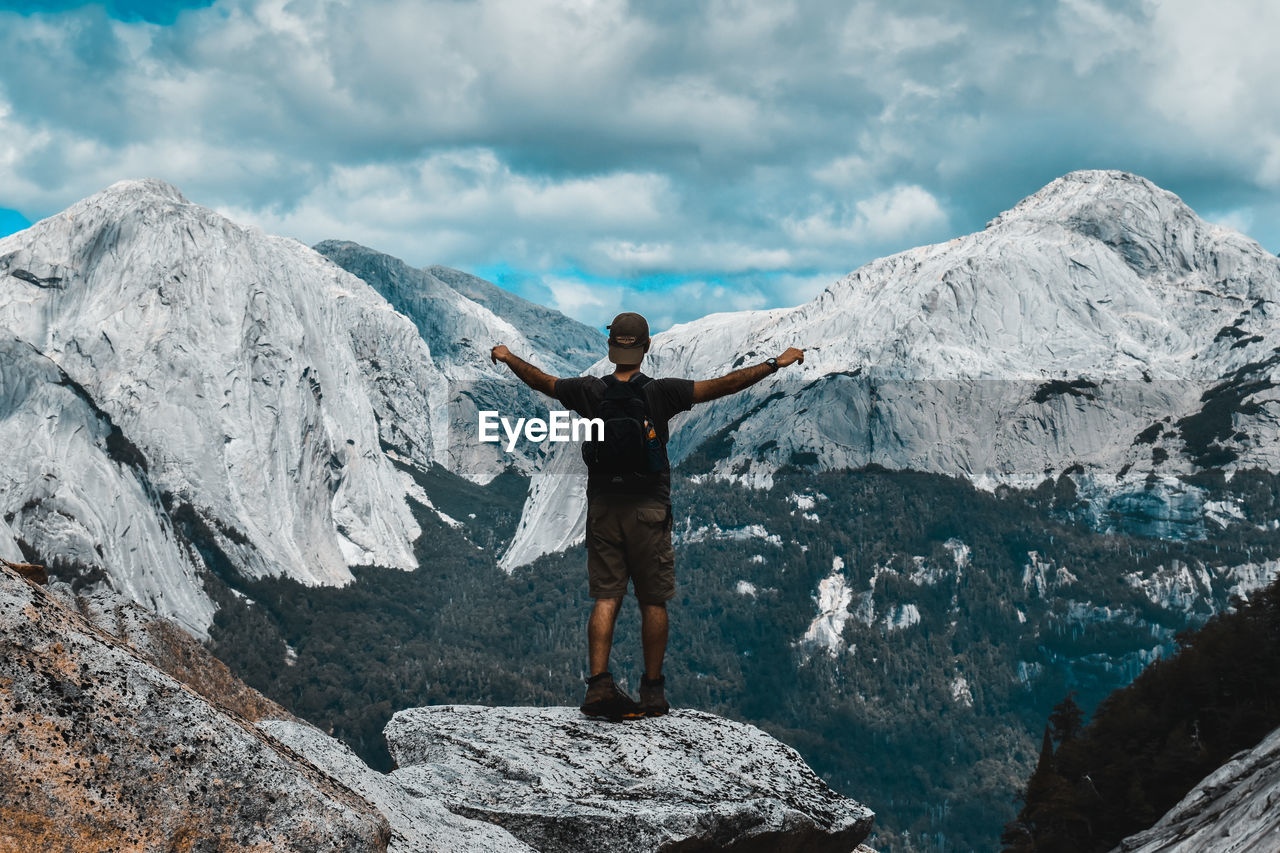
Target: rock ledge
560,782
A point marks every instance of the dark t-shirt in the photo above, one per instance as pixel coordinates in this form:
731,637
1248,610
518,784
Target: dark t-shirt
666,399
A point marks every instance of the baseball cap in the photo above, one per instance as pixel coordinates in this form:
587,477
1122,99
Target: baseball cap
628,336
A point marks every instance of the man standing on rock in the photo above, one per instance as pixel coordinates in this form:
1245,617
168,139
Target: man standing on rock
629,498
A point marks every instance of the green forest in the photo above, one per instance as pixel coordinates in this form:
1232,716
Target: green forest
1152,741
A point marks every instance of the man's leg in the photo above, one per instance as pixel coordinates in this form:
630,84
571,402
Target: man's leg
600,633
652,561
604,697
653,638
607,584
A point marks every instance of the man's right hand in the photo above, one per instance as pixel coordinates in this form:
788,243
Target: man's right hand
790,356
499,354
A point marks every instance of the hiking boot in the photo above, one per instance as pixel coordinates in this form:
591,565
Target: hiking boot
653,696
606,699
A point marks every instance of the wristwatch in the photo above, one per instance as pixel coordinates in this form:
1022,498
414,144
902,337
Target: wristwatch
773,364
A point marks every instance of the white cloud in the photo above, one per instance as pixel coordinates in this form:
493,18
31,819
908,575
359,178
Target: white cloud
1239,219
885,218
625,258
845,172
1094,34
899,213
734,143
1210,70
460,203
595,303
582,299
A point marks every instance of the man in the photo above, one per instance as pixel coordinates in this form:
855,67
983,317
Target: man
629,502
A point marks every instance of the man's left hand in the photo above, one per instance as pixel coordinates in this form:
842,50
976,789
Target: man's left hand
791,356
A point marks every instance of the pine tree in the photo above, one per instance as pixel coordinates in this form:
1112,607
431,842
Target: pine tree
1066,719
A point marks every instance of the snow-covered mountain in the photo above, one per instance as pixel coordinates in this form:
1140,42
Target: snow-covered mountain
183,394
80,492
265,404
461,317
1099,323
547,331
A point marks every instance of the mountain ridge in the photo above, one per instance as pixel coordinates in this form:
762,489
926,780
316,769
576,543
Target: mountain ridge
980,357
279,405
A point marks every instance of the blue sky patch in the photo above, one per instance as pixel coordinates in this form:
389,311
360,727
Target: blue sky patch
11,221
151,11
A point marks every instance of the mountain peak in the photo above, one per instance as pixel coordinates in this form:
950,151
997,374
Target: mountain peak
1093,195
141,188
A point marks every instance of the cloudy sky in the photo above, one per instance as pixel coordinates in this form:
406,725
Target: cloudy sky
673,157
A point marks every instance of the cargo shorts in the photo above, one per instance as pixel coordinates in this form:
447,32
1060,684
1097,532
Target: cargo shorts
630,539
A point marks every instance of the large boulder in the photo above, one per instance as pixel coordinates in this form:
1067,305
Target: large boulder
418,824
100,750
689,781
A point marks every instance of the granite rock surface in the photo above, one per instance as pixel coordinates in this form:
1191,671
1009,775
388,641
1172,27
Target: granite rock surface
101,751
558,781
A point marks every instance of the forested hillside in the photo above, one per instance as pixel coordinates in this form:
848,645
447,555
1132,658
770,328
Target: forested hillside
1149,743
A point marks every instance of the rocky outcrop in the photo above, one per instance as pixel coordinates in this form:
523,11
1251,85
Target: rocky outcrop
560,782
1235,809
100,751
120,732
417,823
172,650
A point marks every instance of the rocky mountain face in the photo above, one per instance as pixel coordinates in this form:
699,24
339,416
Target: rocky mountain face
101,748
546,330
1231,811
184,397
1098,328
74,488
460,318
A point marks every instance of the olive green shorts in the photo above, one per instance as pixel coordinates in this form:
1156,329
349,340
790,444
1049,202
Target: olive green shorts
630,539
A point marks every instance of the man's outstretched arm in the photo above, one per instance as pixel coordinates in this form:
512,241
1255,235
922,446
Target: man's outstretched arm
524,371
732,383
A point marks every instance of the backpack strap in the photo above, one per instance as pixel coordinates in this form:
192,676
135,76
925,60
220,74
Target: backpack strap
639,381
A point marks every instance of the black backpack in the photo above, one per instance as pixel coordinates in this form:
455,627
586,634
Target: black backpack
631,454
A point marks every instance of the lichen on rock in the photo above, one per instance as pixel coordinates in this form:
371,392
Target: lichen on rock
101,751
